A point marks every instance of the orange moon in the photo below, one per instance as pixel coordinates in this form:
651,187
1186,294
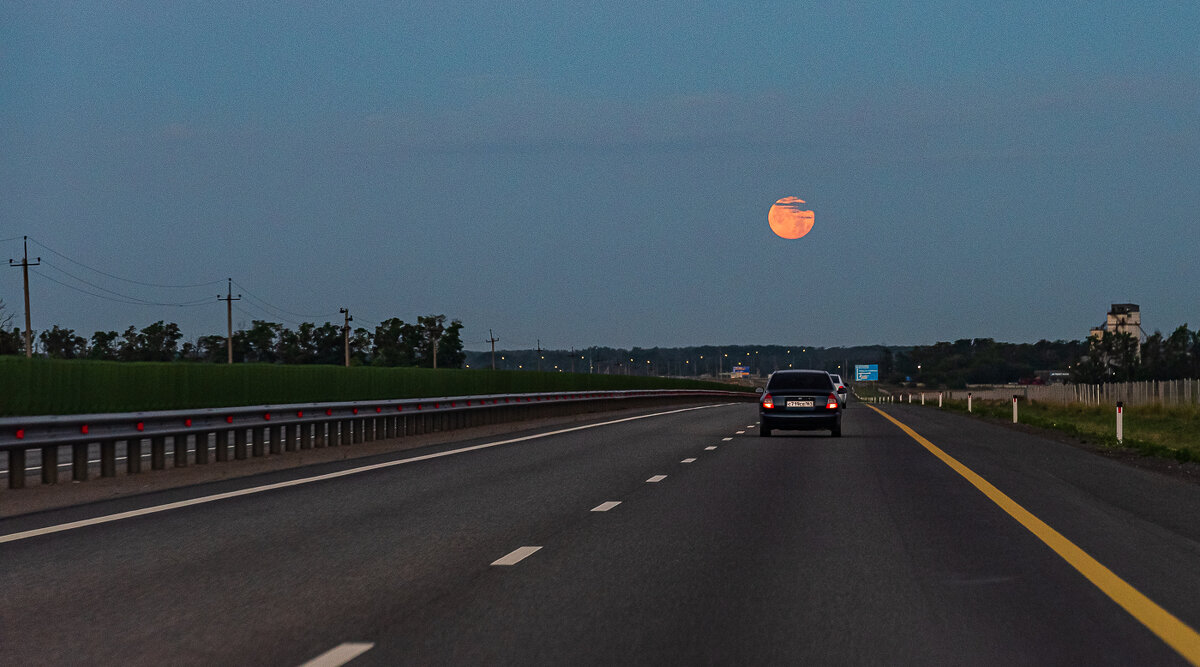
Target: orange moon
788,220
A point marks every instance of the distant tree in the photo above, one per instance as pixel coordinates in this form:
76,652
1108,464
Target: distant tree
104,346
431,328
450,347
360,347
394,343
328,344
11,340
62,343
212,349
257,344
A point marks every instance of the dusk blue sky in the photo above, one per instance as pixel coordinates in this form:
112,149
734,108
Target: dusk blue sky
600,173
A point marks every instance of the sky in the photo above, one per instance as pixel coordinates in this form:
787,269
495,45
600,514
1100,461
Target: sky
599,174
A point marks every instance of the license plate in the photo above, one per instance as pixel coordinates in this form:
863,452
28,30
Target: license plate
799,404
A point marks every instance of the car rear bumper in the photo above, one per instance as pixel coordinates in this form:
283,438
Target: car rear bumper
799,421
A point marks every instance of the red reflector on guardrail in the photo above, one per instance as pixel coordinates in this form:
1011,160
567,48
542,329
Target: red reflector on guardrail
20,434
399,408
328,412
378,409
229,419
355,410
187,422
299,413
83,429
267,416
141,426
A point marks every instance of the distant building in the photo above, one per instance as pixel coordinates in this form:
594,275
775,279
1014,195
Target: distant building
1122,318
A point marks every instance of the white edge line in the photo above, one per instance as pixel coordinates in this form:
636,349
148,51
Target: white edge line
340,654
516,556
726,439
24,535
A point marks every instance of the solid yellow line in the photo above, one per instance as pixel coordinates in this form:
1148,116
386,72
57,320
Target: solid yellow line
1177,634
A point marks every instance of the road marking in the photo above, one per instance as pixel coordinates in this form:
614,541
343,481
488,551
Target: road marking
339,655
517,556
604,507
1177,634
24,535
726,439
752,426
688,461
710,448
740,433
656,479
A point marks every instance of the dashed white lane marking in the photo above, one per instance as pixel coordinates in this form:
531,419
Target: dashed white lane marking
656,479
604,507
688,461
726,439
710,448
339,655
13,537
517,556
752,426
741,433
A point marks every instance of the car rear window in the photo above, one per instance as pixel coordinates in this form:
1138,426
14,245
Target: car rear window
786,381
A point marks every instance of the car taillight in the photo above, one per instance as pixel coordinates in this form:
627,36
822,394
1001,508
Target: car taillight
831,403
768,402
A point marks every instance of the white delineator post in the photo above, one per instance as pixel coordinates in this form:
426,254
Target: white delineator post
1120,419
922,398
1015,397
968,401
939,399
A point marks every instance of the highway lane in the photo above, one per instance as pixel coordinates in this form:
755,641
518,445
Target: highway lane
794,548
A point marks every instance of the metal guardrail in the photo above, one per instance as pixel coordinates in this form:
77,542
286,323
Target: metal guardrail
254,430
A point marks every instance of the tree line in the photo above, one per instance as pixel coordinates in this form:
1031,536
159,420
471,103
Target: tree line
393,343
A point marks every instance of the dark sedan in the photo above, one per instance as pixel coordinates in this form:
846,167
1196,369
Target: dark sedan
798,400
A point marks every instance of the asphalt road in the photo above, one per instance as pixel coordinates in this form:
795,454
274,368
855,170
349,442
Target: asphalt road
794,549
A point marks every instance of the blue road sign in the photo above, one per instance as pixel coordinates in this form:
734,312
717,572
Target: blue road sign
867,372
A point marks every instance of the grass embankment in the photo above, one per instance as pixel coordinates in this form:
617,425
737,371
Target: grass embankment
48,386
1154,430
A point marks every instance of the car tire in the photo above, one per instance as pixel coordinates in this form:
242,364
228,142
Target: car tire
764,432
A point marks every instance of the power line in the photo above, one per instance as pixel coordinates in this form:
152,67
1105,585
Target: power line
269,306
124,299
116,277
132,299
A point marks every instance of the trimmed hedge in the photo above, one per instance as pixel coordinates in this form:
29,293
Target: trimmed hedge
54,386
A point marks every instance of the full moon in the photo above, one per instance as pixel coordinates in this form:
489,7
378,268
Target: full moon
788,220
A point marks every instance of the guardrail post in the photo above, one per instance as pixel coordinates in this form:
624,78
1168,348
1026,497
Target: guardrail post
306,435
275,433
290,435
108,458
180,446
133,456
319,430
16,468
50,464
158,452
79,462
222,446
202,448
239,444
258,441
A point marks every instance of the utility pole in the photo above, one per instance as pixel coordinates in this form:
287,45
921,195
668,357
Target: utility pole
229,298
539,354
493,340
25,271
346,333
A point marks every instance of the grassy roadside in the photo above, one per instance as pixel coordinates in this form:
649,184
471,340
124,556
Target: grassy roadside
1153,430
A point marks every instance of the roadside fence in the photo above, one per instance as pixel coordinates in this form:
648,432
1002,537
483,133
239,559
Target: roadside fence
1151,392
